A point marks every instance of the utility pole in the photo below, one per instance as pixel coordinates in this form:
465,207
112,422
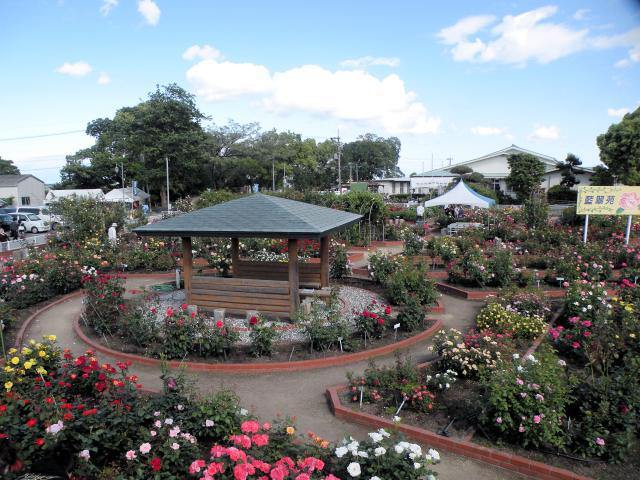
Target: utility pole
350,176
273,174
166,161
338,155
357,176
121,168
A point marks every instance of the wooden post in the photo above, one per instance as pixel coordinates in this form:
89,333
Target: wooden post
324,262
294,282
187,266
235,256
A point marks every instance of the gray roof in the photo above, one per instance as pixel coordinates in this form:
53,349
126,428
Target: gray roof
255,215
13,180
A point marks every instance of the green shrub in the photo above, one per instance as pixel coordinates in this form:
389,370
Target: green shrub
262,337
373,321
411,317
525,401
501,267
339,261
561,193
324,325
411,280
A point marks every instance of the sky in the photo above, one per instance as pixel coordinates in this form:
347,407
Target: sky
455,79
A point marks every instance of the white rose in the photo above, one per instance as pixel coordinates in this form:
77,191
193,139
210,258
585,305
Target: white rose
376,437
434,454
416,466
354,469
341,451
378,452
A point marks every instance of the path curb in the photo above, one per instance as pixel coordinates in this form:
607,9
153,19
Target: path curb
508,461
250,368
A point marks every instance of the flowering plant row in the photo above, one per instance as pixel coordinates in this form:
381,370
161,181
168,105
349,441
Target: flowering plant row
78,418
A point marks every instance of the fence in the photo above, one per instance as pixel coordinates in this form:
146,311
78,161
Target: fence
33,241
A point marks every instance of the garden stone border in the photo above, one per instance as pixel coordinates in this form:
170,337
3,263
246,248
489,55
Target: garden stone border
468,294
464,448
250,368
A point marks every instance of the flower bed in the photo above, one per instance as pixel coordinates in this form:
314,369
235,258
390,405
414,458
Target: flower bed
53,409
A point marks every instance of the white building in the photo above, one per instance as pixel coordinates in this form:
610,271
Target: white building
117,195
22,190
53,195
394,186
495,168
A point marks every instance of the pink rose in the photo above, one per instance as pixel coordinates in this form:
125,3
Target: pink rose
629,200
599,441
536,419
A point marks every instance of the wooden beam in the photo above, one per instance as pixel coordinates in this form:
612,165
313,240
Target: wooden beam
235,256
293,276
187,266
324,261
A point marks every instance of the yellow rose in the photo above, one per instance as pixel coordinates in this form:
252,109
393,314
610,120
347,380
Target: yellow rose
11,351
8,385
15,360
290,430
41,371
42,353
28,365
26,351
51,338
9,369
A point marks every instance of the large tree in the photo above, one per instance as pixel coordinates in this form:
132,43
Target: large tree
525,174
166,125
8,168
620,149
568,170
373,156
601,176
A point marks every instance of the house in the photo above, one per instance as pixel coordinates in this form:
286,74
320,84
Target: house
394,186
53,195
495,168
21,190
127,196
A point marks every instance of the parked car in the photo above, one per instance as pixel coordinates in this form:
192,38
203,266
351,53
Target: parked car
32,222
42,211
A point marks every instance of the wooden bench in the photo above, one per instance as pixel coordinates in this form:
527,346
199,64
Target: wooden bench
309,273
237,295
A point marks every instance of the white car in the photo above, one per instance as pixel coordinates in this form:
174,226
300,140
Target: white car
32,222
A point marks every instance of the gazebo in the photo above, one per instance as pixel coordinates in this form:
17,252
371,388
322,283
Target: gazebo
269,287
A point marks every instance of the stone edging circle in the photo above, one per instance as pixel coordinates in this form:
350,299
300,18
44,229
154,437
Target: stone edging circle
250,368
465,448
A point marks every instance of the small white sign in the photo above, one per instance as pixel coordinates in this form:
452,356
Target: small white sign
396,326
420,210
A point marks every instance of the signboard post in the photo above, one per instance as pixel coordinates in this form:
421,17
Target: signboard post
605,200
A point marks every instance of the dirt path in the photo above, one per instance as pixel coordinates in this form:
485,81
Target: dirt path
298,394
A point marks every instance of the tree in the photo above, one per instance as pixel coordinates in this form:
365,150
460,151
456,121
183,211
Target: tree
525,174
166,125
620,149
372,156
568,170
601,176
8,168
461,170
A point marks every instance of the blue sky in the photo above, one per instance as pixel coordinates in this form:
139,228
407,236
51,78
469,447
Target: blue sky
450,79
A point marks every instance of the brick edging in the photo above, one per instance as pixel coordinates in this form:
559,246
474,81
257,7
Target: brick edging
250,368
464,448
468,294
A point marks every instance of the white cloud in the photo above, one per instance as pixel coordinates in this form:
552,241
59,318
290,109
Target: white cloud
220,80
204,52
462,29
630,40
77,69
104,79
545,132
348,95
150,11
516,39
107,6
369,61
624,63
581,14
479,130
617,112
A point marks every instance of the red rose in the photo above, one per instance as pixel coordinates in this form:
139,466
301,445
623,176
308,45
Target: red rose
156,464
39,441
219,324
387,310
380,321
253,320
32,422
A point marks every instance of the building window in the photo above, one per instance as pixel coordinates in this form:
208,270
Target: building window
25,201
496,185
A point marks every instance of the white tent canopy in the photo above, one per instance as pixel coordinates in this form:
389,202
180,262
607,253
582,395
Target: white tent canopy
461,194
117,195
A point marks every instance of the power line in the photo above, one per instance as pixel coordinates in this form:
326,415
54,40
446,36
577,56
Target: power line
41,136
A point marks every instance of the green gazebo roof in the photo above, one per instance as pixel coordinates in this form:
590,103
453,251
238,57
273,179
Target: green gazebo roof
255,215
